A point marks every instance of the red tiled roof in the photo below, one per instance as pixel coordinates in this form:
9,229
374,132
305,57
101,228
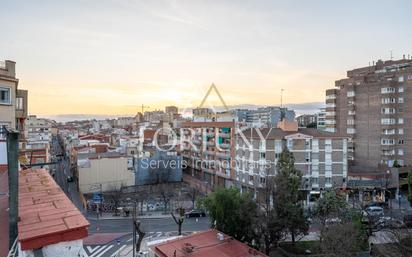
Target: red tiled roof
46,215
205,244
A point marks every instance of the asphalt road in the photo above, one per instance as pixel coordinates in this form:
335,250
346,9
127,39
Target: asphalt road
148,225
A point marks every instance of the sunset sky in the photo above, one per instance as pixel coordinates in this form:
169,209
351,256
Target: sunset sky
109,57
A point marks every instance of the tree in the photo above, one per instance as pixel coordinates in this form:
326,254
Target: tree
341,240
410,187
179,220
166,192
115,195
329,206
269,228
287,203
193,193
232,213
140,233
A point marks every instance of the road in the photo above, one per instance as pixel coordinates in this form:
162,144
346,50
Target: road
148,224
63,171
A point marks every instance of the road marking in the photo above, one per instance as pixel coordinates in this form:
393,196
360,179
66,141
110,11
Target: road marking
118,251
101,253
98,251
91,250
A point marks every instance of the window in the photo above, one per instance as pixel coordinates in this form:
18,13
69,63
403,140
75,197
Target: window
400,151
350,121
387,90
400,142
5,95
409,77
400,89
400,79
400,100
350,93
387,111
19,103
386,141
400,120
350,131
400,131
388,100
388,121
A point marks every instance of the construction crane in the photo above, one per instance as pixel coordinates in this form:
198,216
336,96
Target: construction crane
144,107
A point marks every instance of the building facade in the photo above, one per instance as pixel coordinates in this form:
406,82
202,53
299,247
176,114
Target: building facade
372,106
321,156
306,119
207,150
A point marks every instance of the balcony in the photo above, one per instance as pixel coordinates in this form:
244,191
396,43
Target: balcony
21,104
223,155
224,135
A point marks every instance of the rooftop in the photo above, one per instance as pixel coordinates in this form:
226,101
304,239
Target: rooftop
46,215
204,244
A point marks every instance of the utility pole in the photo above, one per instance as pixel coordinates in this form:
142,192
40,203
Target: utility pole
134,229
13,174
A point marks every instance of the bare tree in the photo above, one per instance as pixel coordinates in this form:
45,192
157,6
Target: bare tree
115,196
166,192
194,193
140,233
341,240
179,220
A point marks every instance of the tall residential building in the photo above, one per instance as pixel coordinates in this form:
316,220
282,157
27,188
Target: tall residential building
207,150
374,106
320,119
269,116
321,156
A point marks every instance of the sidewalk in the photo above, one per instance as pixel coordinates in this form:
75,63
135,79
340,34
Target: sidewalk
109,216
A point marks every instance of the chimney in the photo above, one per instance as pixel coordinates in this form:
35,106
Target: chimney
288,125
404,57
11,68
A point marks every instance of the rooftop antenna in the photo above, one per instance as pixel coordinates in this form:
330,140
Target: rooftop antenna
281,97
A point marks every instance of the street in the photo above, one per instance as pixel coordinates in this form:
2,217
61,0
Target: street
149,225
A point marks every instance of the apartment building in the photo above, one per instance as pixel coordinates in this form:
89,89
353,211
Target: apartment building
13,101
372,105
306,119
207,151
320,119
102,172
321,156
269,116
39,134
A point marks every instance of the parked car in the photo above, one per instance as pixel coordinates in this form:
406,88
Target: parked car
378,204
374,211
407,219
195,213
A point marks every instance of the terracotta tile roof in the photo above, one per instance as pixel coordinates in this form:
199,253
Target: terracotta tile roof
46,215
205,244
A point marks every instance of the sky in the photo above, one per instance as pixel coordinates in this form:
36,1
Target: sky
110,57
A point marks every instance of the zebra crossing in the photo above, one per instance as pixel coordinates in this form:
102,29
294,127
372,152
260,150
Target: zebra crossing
123,246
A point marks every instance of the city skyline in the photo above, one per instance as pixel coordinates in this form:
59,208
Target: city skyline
111,58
